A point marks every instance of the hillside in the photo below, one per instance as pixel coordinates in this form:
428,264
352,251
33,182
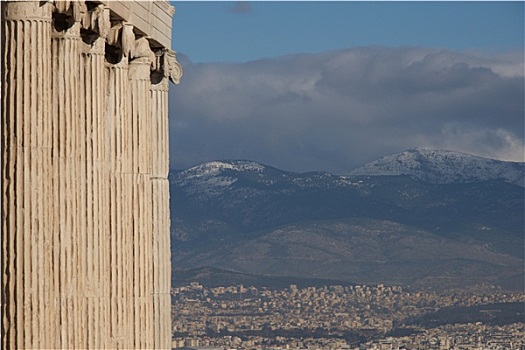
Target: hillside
401,228
444,166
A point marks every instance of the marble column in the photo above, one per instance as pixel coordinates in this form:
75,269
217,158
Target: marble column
95,266
167,68
161,223
85,230
139,75
118,128
69,180
26,172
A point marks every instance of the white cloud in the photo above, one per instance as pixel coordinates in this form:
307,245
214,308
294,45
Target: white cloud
490,143
334,111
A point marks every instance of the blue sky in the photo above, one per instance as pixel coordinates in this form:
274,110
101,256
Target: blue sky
329,86
209,31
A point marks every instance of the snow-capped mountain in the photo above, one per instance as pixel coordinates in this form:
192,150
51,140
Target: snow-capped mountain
443,166
461,211
209,178
216,167
220,177
215,178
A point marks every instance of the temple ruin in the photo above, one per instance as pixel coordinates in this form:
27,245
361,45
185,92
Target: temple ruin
85,195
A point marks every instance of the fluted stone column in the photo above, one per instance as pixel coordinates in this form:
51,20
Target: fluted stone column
167,68
161,222
85,230
26,172
97,241
160,129
118,148
69,155
139,75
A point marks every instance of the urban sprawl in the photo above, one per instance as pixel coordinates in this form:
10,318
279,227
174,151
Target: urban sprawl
342,317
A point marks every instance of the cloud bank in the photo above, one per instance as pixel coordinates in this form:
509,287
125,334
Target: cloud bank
335,111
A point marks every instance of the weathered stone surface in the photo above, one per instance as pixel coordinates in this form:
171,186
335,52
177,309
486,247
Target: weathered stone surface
85,202
26,174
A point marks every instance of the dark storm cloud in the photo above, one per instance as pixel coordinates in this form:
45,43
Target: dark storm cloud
334,111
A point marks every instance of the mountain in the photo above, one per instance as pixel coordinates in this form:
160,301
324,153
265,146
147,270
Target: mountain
214,277
443,166
411,228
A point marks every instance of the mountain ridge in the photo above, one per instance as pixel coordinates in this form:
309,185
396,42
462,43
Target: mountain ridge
443,166
225,213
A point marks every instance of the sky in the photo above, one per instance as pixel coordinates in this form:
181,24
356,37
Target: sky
329,86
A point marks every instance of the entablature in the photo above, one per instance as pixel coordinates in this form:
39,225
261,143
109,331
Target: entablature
131,29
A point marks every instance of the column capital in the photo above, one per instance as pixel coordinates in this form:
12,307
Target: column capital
72,32
67,16
167,64
95,47
143,50
26,10
97,20
121,35
73,10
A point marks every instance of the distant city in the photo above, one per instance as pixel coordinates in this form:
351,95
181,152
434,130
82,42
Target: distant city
346,317
417,250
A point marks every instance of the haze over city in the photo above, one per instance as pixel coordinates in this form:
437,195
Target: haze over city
332,85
